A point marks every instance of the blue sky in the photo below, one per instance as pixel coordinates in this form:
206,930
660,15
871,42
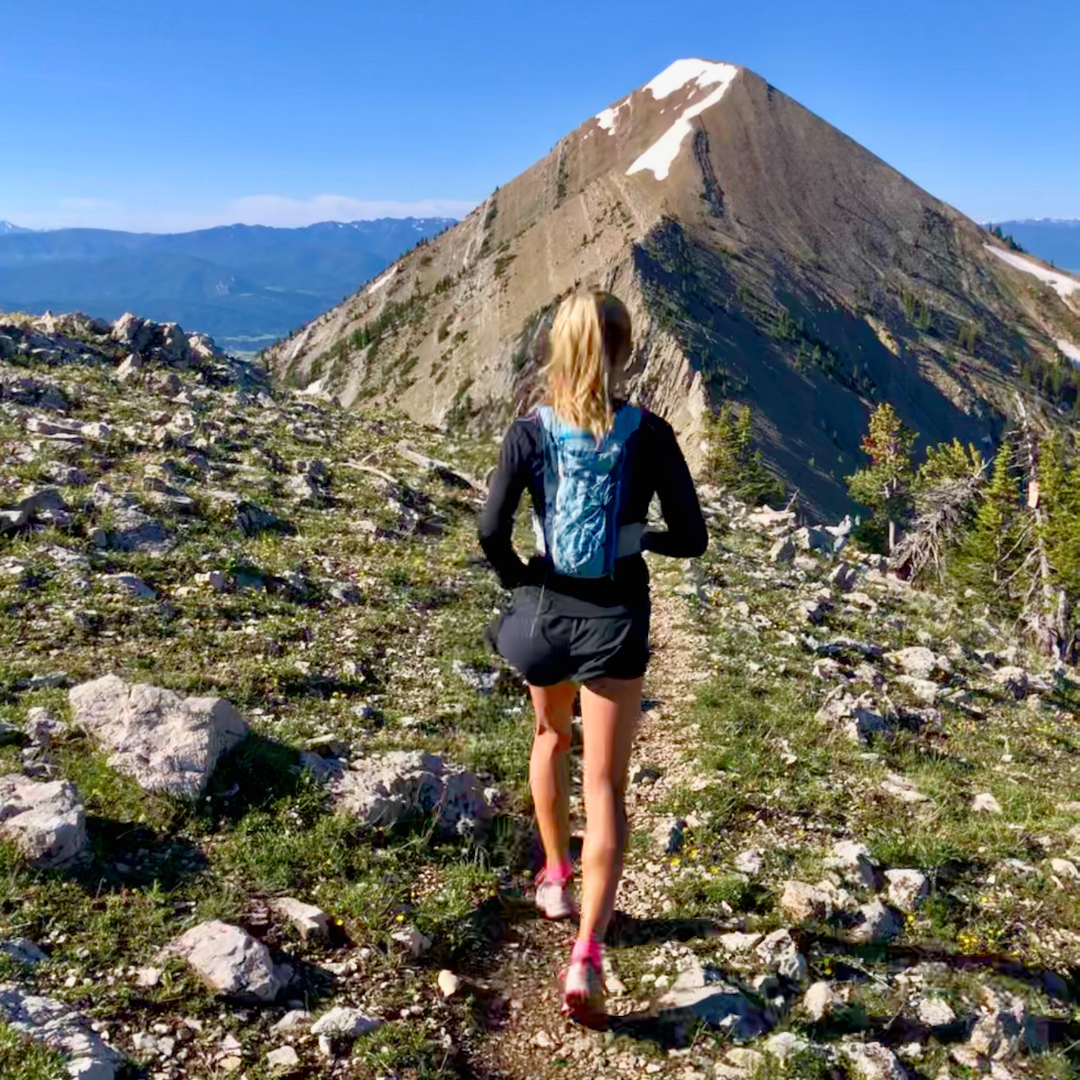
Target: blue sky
164,116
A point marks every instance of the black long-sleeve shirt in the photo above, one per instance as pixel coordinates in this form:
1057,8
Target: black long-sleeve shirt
654,465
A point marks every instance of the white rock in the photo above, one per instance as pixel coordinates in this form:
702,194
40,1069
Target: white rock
750,861
310,922
854,863
917,661
449,983
780,954
935,1012
925,690
906,889
874,923
784,1045
985,804
133,585
61,1029
167,743
872,1061
819,1001
344,1023
284,1057
230,961
802,902
1014,679
293,1020
735,942
383,789
148,977
45,821
413,942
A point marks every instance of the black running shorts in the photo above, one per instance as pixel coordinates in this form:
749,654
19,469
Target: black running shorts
552,638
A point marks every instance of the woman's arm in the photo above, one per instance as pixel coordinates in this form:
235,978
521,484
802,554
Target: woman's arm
686,536
504,494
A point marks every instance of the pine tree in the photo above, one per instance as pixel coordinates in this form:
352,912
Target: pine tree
990,557
1059,496
885,486
733,463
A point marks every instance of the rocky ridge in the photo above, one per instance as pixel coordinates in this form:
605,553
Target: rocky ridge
765,258
243,667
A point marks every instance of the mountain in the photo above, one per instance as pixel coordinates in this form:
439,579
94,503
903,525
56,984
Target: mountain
1056,241
245,284
7,227
765,257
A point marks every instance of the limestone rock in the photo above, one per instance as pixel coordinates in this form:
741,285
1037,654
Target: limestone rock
697,994
1013,679
874,923
906,889
165,742
917,661
230,961
386,788
61,1029
819,1001
132,332
783,551
449,983
1003,1028
780,953
45,821
750,862
344,1023
284,1057
802,902
310,922
854,863
985,803
872,1061
935,1012
22,951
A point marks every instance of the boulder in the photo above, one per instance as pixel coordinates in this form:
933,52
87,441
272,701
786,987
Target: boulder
165,742
46,506
45,821
780,953
857,717
1015,680
1003,1028
906,889
783,551
230,961
62,1030
935,1012
384,789
133,333
699,996
807,539
22,951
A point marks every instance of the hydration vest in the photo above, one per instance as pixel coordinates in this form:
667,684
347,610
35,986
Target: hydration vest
583,496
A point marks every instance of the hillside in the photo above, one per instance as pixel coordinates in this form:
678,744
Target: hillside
765,257
854,830
246,285
1057,242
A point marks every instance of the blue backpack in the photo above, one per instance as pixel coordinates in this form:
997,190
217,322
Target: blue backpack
583,494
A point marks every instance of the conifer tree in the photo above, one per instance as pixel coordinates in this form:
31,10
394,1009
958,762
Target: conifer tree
885,486
733,463
990,557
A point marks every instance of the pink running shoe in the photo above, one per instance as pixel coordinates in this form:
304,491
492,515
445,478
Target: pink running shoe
553,894
583,996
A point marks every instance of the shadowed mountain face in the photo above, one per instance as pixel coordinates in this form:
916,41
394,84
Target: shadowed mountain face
765,257
245,284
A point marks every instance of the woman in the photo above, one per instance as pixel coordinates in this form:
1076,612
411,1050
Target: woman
588,627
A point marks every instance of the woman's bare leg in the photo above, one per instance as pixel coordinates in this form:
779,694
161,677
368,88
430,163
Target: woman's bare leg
549,768
610,709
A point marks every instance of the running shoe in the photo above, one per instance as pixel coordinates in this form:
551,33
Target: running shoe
553,896
583,997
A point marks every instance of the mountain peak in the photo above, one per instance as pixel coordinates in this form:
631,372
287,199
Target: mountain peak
7,227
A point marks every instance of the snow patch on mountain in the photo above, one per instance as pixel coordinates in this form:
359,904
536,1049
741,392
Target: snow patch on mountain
607,117
660,156
1062,284
1068,349
384,279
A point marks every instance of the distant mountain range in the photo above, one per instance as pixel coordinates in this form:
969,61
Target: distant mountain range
245,284
1057,242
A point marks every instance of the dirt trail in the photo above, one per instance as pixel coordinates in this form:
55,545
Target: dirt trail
524,1036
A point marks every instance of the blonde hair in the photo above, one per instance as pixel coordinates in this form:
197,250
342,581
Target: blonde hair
590,340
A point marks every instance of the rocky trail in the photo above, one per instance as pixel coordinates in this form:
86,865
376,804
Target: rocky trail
263,793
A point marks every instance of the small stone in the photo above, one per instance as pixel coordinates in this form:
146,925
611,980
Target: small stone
906,888
230,961
737,943
1065,870
819,1001
985,804
854,863
148,977
935,1012
449,983
874,923
750,862
872,1061
293,1020
917,661
285,1057
802,902
230,1064
544,1040
344,1023
1013,679
310,922
784,1045
414,943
